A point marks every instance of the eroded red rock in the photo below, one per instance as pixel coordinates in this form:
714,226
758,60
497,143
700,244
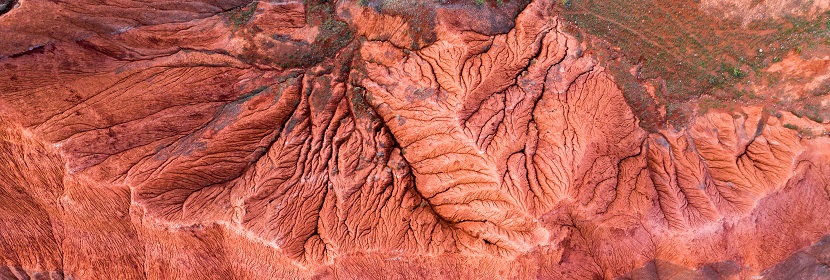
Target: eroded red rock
268,139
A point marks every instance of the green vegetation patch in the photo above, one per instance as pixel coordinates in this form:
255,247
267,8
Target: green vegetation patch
333,36
791,126
240,16
687,52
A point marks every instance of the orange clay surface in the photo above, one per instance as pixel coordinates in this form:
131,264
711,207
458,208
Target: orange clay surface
365,139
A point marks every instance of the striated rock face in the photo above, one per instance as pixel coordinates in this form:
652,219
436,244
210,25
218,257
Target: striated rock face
225,139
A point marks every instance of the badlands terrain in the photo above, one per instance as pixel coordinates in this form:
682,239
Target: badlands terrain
402,139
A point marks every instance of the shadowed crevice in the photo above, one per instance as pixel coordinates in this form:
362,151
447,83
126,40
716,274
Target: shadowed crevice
7,5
